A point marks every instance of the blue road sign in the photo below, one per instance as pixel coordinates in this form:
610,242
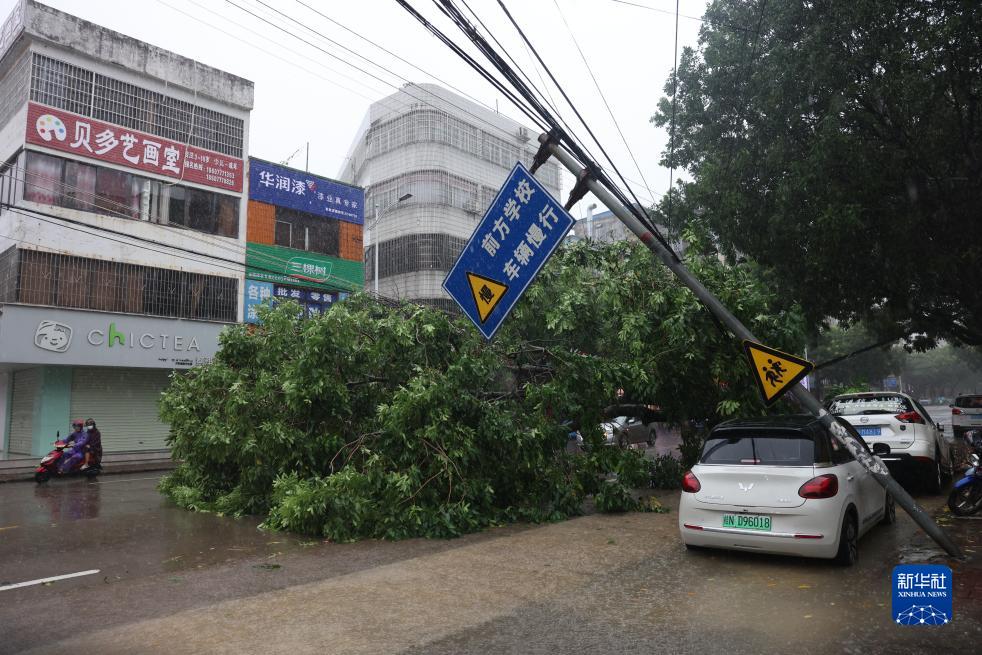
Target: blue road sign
513,241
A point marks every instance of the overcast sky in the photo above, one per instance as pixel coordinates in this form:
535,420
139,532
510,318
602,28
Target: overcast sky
304,94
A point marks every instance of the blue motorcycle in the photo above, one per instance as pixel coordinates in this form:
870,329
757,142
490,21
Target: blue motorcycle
966,496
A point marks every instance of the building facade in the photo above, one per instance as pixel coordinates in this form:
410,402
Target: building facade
304,239
431,163
122,226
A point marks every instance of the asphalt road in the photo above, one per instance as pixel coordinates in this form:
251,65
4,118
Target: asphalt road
171,581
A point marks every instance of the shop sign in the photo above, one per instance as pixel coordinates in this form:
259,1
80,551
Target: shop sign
312,270
286,187
42,335
86,137
256,293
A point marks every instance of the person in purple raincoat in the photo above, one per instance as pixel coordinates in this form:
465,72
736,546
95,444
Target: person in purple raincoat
74,455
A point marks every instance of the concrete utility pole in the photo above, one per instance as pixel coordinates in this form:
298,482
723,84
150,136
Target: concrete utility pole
807,400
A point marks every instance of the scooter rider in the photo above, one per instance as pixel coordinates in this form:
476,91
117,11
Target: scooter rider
78,439
93,449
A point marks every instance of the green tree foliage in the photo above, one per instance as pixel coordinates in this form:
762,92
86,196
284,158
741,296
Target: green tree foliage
861,371
840,144
384,422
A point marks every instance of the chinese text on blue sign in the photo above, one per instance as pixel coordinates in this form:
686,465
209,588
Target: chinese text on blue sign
922,594
286,187
514,240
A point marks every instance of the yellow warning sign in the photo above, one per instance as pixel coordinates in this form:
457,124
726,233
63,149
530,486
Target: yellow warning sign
487,293
774,371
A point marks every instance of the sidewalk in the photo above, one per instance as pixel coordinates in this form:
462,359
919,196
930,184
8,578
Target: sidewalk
12,470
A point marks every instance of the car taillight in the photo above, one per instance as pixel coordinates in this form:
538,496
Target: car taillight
824,486
690,483
910,417
955,411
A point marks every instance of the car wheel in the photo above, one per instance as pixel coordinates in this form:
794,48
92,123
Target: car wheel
652,435
889,511
933,475
848,542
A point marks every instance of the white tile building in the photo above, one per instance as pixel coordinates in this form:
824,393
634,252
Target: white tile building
122,226
450,156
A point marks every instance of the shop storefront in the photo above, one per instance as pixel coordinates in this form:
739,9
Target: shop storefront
60,364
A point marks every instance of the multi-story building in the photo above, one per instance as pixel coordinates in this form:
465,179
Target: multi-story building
304,238
606,227
431,163
122,226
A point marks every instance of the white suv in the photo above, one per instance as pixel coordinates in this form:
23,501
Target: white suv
900,422
966,414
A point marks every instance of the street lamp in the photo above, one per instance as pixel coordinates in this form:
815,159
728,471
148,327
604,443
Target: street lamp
372,237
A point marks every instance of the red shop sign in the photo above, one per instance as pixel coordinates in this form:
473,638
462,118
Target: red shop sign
68,132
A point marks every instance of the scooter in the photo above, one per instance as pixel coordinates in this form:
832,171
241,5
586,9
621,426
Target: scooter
966,496
49,468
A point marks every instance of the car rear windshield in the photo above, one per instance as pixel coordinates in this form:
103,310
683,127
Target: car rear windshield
755,448
885,404
969,402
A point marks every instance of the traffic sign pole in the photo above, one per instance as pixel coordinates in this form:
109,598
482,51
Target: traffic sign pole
807,400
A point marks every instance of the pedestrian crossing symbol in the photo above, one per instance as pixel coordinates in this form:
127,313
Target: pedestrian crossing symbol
487,293
774,371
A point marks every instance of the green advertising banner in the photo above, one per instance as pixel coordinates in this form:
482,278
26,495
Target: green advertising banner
308,269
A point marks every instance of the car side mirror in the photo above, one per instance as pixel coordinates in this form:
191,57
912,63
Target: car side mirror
881,449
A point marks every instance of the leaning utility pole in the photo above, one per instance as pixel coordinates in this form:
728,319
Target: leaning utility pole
586,181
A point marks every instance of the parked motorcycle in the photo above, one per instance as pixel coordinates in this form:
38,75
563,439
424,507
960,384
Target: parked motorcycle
49,468
966,496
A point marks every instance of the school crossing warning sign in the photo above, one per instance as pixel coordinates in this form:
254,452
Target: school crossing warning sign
521,229
774,371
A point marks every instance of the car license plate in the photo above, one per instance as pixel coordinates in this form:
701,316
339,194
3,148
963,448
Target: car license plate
869,432
747,522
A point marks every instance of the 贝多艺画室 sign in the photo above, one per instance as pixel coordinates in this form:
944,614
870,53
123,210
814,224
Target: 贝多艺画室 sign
45,335
62,130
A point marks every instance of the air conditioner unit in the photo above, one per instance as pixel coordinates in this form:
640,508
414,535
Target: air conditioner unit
523,133
470,206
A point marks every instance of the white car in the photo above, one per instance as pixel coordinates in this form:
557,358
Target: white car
783,485
966,414
897,420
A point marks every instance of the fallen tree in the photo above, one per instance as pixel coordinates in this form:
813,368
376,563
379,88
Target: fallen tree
382,422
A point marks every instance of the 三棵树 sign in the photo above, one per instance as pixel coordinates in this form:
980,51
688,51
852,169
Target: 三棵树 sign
513,241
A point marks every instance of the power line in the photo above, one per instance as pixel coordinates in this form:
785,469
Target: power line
407,90
671,138
604,98
635,207
267,52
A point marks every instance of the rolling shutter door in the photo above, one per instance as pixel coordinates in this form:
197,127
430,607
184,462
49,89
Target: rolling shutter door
123,402
25,391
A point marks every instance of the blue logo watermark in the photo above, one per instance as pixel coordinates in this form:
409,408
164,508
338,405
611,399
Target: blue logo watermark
922,594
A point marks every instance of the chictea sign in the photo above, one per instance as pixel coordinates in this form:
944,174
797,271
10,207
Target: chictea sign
40,335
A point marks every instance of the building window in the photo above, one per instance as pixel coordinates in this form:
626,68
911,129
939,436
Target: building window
116,192
412,253
43,180
303,231
67,183
45,278
66,86
284,234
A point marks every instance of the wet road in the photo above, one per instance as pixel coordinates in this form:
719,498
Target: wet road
172,581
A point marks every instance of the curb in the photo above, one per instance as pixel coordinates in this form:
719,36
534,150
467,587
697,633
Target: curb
23,469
